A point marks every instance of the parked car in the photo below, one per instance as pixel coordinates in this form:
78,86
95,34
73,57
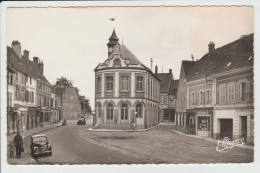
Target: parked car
40,145
81,121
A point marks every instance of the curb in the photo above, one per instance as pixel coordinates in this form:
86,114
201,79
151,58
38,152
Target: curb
43,131
104,130
211,140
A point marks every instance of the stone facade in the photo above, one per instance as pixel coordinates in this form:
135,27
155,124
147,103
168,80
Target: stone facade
71,108
127,92
28,91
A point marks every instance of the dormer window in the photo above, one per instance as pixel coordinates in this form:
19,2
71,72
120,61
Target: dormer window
117,63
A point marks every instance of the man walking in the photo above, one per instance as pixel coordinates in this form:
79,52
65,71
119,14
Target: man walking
18,142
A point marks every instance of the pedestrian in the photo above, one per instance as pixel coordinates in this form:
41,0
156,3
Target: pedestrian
18,142
11,148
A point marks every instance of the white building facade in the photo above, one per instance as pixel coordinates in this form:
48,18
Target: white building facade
126,92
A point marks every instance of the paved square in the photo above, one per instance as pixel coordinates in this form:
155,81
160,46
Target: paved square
162,144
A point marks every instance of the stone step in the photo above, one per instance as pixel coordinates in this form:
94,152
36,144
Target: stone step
114,127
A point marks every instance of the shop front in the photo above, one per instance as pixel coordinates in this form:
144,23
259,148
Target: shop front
234,124
191,120
204,122
12,120
203,125
38,116
31,118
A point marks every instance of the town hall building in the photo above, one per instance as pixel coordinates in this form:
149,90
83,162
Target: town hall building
126,91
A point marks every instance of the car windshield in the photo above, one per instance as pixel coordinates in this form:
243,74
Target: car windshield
40,139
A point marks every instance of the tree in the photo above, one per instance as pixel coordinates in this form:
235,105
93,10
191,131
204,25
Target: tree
87,105
63,82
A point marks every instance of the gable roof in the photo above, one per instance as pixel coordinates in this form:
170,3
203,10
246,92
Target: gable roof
187,65
228,57
24,66
165,78
173,86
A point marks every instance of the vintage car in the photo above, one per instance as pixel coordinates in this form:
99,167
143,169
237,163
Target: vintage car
40,145
81,121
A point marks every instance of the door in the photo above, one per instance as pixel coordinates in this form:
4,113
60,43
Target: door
166,115
244,127
28,121
226,128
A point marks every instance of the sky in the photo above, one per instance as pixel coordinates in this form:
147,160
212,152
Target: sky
71,42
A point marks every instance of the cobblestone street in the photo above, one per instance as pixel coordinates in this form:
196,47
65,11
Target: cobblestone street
162,144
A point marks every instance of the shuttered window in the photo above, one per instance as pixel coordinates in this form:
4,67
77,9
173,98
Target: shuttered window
222,94
243,91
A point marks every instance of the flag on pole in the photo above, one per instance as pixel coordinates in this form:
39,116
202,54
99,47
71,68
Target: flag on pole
112,19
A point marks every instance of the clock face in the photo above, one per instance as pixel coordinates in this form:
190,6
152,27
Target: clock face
107,62
127,61
110,49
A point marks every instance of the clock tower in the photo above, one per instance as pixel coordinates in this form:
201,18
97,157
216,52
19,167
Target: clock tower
113,40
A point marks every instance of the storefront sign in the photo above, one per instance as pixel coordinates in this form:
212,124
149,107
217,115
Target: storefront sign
228,144
20,106
203,113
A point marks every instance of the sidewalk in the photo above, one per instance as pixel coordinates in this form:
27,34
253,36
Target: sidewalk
250,147
111,130
26,157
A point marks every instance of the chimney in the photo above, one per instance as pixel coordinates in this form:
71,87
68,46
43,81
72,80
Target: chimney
26,54
41,66
151,64
170,71
35,60
211,47
156,69
16,45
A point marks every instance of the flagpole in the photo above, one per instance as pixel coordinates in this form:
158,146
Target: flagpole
113,20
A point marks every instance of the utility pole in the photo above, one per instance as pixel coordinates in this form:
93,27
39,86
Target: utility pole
84,106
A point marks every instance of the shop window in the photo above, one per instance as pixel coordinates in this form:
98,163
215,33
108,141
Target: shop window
109,111
203,123
124,112
139,110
